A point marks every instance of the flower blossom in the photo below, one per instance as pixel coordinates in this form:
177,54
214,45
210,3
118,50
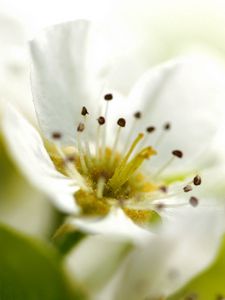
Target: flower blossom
115,163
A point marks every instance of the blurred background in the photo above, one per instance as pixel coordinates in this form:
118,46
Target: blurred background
155,31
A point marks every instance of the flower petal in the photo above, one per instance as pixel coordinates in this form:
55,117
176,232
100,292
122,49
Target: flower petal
106,251
115,223
27,148
66,75
190,95
170,259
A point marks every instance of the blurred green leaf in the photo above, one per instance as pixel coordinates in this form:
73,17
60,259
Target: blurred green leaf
66,238
30,270
209,285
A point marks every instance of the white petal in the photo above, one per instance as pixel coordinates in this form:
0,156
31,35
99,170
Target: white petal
115,223
172,258
26,147
106,253
190,95
67,60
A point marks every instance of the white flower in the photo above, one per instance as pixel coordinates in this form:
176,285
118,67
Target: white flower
155,269
105,159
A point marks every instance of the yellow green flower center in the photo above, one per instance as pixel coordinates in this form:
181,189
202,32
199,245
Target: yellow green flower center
108,177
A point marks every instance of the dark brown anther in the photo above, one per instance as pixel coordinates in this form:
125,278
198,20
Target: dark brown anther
101,120
70,158
80,127
167,126
177,153
187,188
193,201
121,122
138,115
56,135
84,111
163,188
108,97
197,180
150,129
160,206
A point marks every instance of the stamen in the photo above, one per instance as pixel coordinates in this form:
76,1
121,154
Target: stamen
149,130
121,124
137,117
194,201
101,122
100,187
175,153
85,113
80,129
108,98
166,127
175,205
88,154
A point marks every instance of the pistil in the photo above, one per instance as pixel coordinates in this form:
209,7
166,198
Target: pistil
126,169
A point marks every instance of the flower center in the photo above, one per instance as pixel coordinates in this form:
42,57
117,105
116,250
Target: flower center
108,177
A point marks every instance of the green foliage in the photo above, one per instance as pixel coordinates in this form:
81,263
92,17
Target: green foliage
209,285
30,270
66,240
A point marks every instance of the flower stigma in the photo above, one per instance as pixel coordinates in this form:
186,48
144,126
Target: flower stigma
110,177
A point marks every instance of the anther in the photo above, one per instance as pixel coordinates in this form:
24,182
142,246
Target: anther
56,135
80,127
193,201
101,120
70,158
150,129
167,126
121,122
108,97
187,188
163,189
197,180
84,111
138,115
160,206
177,153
